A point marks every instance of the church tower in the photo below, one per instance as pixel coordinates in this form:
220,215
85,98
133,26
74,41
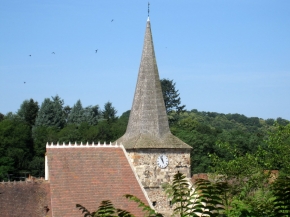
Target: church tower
155,153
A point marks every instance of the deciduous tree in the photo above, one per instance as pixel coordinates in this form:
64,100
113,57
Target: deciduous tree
276,154
15,146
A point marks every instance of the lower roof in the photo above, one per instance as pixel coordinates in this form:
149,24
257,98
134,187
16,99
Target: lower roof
89,175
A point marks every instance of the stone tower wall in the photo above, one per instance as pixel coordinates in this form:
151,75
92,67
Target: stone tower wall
152,176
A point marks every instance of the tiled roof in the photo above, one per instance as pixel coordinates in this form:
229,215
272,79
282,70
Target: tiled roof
25,199
88,175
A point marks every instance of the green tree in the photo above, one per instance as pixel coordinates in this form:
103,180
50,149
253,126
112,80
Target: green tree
1,117
66,111
201,137
270,121
50,119
58,111
92,115
70,133
109,113
119,127
104,130
248,182
45,116
12,116
171,96
51,113
282,121
15,146
36,166
28,111
42,135
276,154
76,115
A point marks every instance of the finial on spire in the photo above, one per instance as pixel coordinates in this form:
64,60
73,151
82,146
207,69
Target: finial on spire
148,8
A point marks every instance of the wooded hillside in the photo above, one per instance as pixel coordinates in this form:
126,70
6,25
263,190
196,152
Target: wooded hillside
23,135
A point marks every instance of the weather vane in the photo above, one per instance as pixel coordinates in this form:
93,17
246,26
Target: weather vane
148,8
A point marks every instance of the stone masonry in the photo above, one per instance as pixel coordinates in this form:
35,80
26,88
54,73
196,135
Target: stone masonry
150,175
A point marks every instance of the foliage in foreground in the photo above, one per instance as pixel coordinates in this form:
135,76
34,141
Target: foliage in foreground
203,199
105,209
254,189
281,189
206,198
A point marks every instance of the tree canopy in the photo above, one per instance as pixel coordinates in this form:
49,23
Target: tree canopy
28,111
109,112
51,113
76,115
204,131
171,96
15,146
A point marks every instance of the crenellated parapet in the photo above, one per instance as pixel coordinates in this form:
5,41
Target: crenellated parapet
83,145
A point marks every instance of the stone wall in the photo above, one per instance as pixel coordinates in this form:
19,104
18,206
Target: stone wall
152,176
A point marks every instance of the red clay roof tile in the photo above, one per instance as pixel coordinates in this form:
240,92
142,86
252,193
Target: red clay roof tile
88,176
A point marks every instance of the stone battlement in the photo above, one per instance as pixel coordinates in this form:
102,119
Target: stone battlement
83,145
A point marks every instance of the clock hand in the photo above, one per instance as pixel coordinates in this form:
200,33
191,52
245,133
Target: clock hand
162,159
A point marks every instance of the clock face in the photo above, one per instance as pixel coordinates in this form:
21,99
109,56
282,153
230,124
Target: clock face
162,161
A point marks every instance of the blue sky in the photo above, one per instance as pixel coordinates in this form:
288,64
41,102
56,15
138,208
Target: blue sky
225,56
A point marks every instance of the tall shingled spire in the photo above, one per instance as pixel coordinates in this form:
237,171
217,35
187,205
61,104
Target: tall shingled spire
148,114
148,124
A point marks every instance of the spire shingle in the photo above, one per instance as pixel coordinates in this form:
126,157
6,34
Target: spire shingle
148,124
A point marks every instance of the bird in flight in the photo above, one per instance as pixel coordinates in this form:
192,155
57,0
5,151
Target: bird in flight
97,51
30,55
24,82
52,53
112,20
